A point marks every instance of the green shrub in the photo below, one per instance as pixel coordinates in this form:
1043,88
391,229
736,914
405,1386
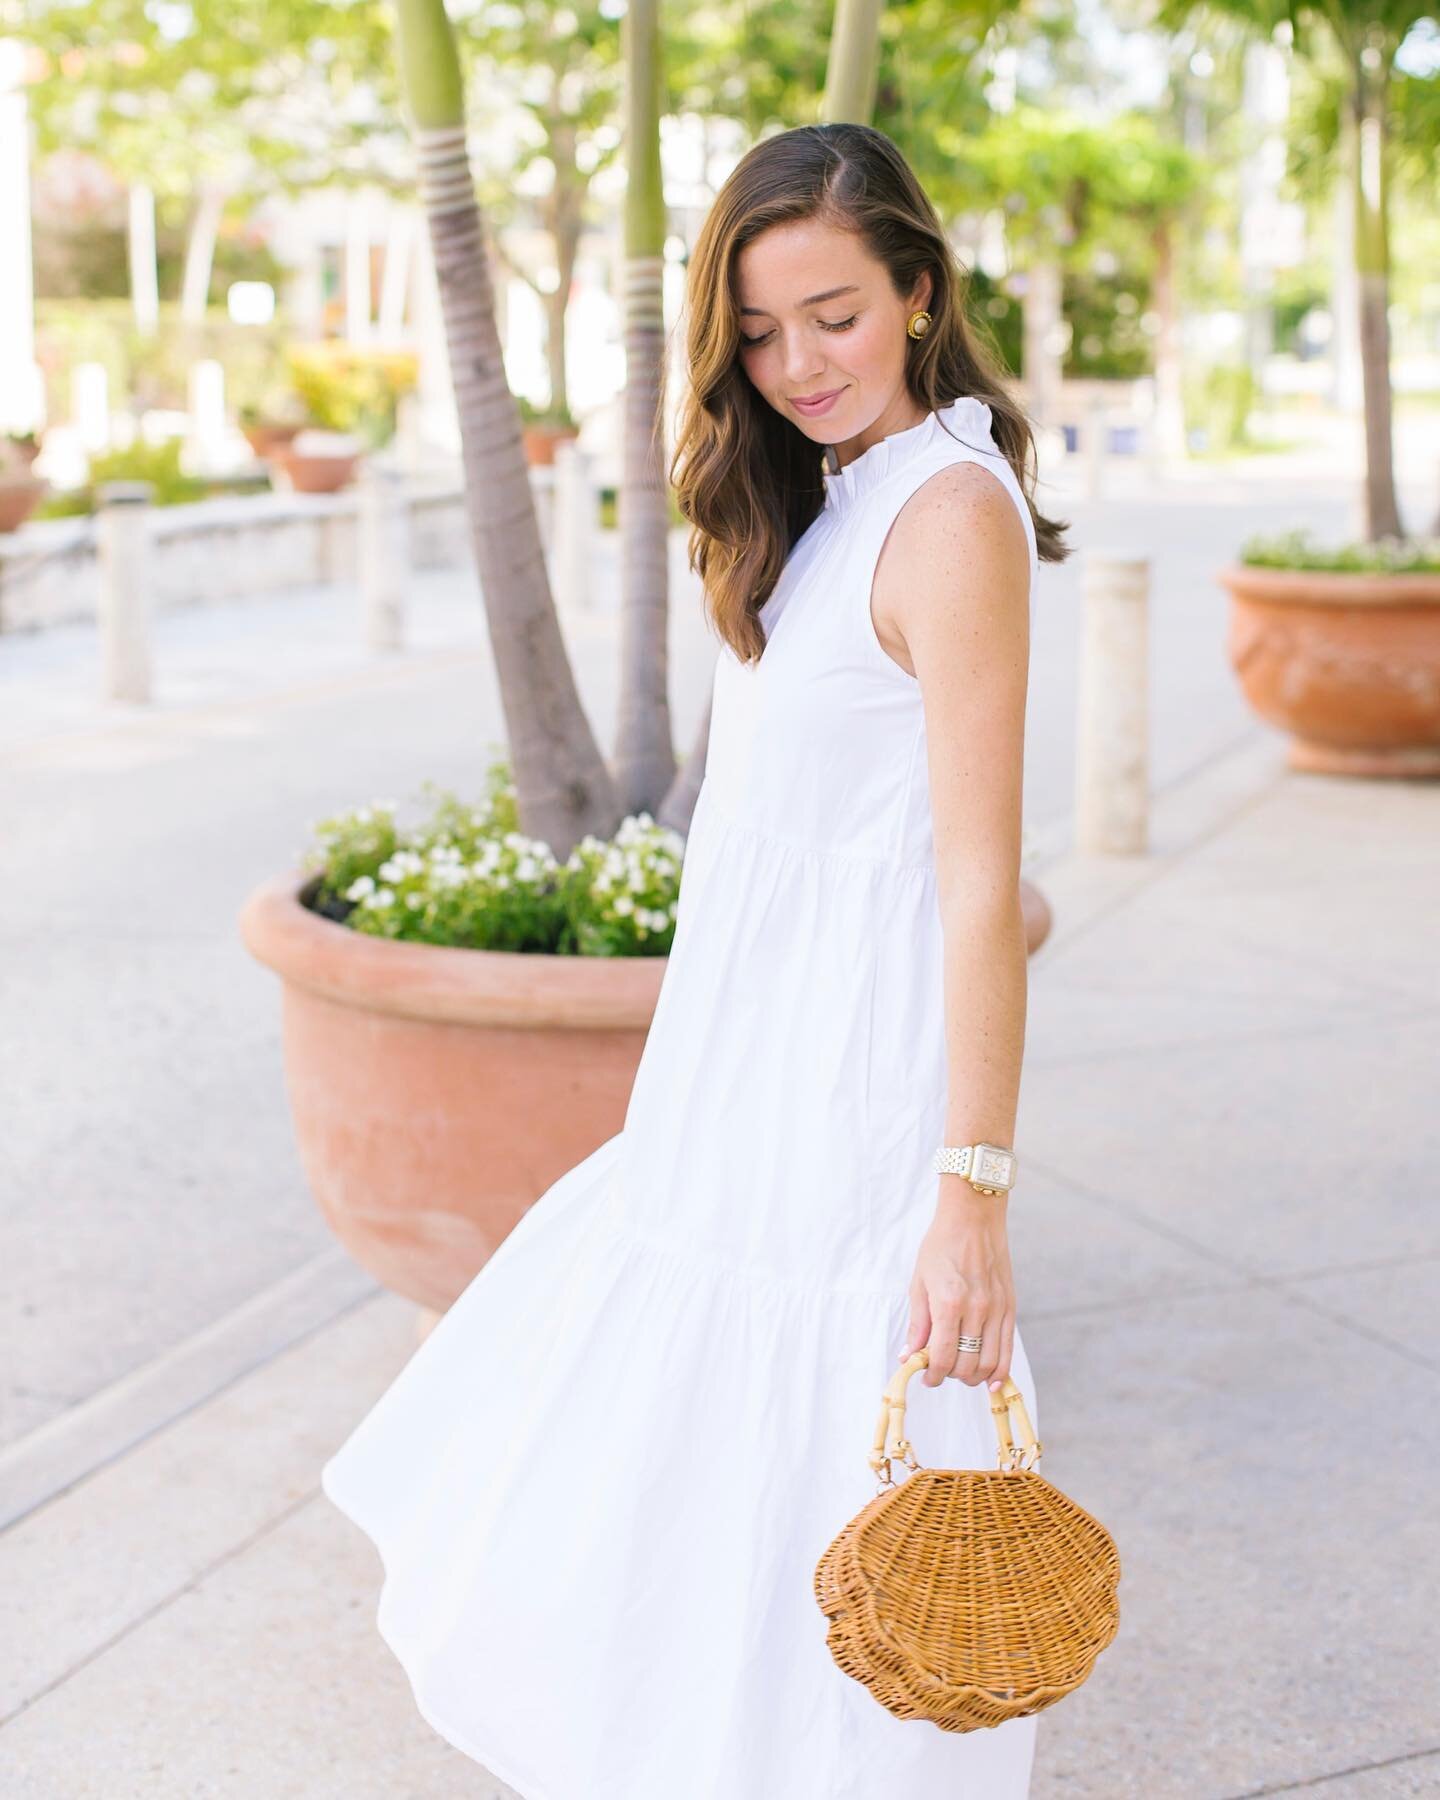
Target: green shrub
1295,550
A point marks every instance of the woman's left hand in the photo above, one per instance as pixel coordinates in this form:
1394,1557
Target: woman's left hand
963,1286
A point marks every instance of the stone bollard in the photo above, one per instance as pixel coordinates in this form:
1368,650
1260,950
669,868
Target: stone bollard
384,548
576,523
1112,752
122,542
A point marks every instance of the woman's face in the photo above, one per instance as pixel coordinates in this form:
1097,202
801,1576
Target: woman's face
818,318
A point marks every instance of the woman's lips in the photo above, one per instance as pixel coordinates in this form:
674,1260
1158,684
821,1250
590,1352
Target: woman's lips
821,403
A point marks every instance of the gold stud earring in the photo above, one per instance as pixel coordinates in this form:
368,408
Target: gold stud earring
919,324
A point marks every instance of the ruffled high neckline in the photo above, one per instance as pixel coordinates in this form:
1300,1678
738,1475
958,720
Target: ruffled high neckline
968,419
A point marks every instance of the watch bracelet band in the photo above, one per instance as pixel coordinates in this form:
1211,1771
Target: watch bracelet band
958,1159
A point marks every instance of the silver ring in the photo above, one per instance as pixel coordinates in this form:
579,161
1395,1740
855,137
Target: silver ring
969,1343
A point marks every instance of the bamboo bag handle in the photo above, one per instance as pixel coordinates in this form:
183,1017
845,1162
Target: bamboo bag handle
890,1439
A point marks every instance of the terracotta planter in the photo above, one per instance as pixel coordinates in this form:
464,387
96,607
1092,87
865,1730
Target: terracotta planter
1348,664
19,496
311,474
540,442
437,1093
265,439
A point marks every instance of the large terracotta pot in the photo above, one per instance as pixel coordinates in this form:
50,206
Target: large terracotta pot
1349,664
437,1093
314,474
19,496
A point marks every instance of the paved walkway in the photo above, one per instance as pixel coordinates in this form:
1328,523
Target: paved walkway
1232,1320
1228,1264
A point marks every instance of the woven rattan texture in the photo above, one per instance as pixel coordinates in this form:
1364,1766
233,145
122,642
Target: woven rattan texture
970,1596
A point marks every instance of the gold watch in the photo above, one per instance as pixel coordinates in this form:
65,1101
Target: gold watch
989,1168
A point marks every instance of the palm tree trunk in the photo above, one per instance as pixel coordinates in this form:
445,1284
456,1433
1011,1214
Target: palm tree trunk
564,219
853,70
644,747
563,788
1042,325
1169,395
1372,260
200,256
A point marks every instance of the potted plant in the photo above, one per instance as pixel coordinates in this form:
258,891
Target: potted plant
317,462
542,429
274,421
462,1018
1341,648
20,489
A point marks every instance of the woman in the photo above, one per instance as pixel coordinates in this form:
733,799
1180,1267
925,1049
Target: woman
601,1487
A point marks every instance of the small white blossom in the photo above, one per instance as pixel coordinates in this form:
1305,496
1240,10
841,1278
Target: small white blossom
360,887
624,904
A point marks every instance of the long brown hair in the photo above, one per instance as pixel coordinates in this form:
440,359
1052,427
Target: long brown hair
748,480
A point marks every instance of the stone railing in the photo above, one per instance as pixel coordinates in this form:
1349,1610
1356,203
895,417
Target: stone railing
219,550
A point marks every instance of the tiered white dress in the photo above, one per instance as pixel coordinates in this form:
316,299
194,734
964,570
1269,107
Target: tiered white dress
601,1485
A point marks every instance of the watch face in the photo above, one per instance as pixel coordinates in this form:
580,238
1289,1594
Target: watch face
996,1166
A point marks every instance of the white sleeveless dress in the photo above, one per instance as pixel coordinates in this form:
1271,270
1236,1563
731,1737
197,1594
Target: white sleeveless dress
600,1487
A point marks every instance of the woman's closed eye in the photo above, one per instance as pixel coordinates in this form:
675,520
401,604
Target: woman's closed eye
824,324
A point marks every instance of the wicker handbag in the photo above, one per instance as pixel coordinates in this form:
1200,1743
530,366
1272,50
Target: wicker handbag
968,1596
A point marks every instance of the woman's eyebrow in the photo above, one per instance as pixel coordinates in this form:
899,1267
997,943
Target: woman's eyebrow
814,300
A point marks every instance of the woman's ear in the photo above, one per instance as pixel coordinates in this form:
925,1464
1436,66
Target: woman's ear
924,288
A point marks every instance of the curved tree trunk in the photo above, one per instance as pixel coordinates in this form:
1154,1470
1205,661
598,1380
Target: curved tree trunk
1169,389
563,788
644,747
1372,261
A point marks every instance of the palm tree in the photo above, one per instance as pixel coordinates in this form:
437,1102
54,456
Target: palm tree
563,787
644,749
1367,34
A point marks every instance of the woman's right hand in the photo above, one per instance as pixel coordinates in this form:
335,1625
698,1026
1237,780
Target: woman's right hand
963,1285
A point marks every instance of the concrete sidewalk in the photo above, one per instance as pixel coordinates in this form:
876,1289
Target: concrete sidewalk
1228,1262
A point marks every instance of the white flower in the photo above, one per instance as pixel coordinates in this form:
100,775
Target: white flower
526,869
360,887
383,897
413,900
502,881
624,904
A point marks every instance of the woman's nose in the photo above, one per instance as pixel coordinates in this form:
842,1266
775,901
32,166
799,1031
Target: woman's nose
802,363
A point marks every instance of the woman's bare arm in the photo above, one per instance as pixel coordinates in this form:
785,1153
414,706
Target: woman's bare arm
951,604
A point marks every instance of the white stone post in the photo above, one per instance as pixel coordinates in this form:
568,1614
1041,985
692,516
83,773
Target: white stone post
384,554
575,526
122,525
1112,777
